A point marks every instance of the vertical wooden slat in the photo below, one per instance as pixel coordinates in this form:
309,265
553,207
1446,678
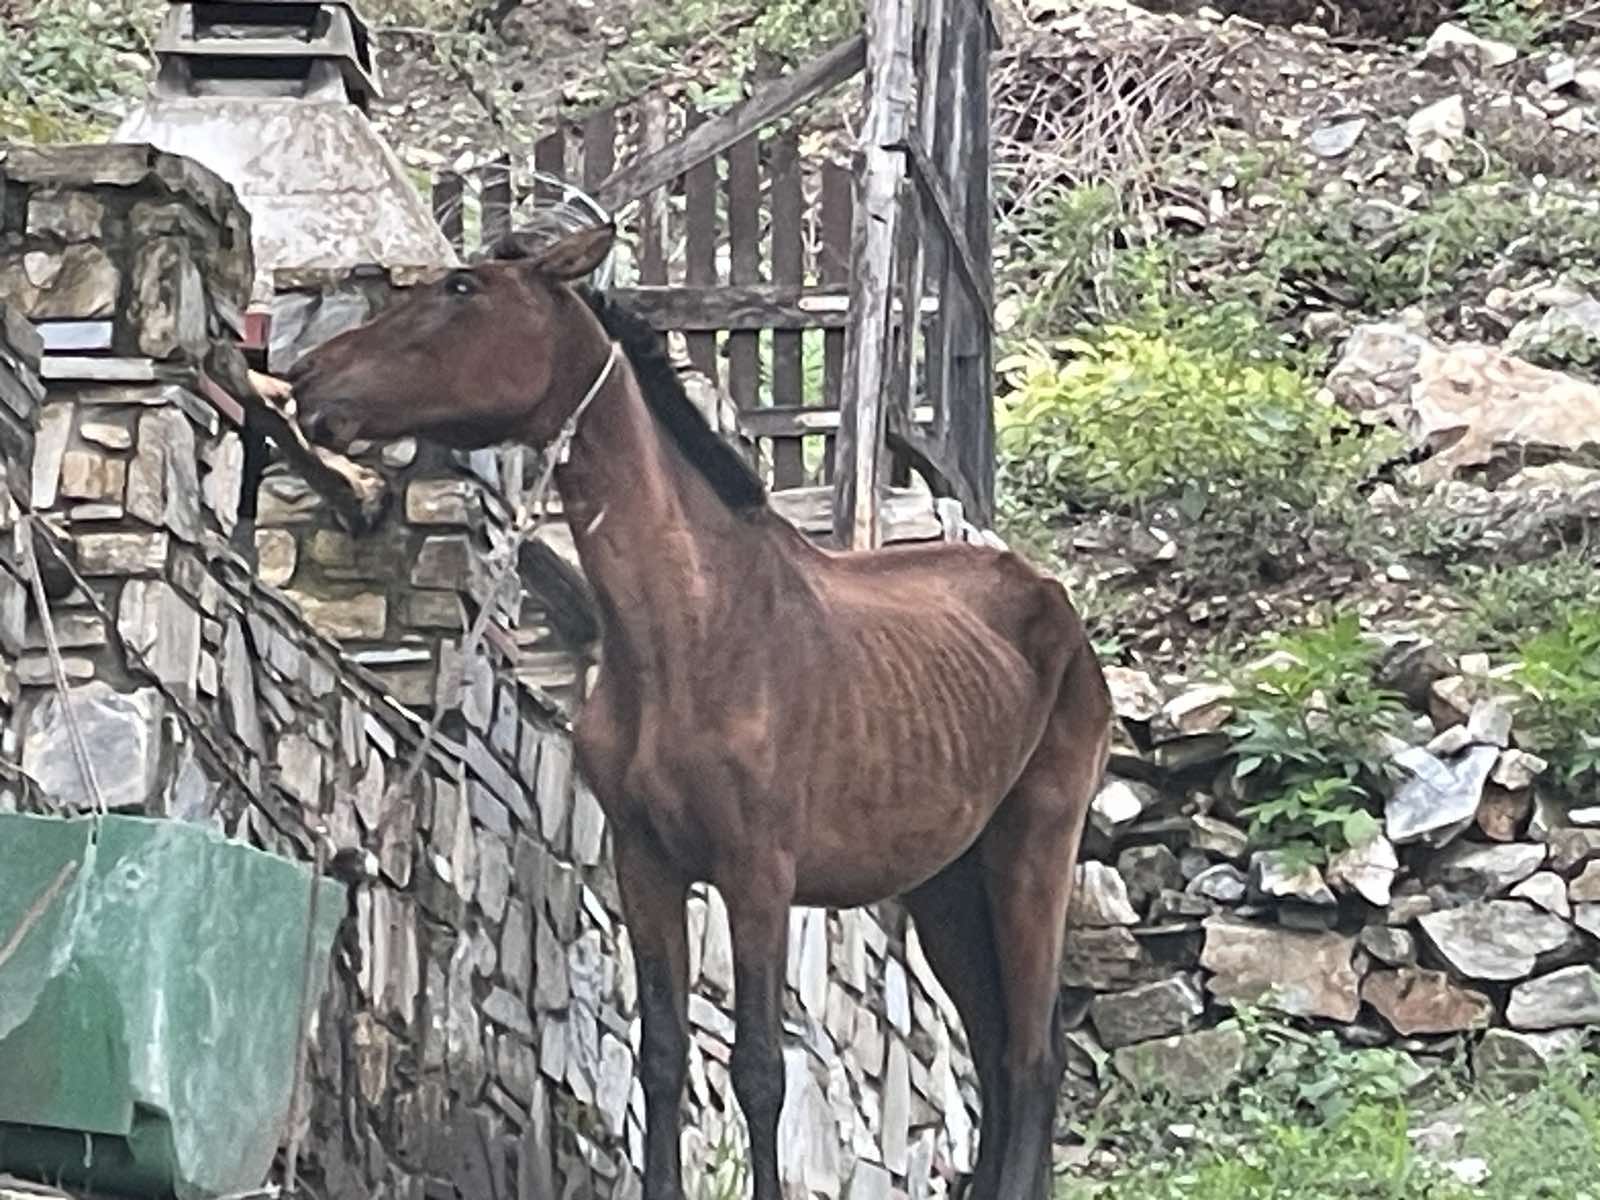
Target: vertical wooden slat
700,250
496,179
550,157
788,266
447,207
599,148
838,205
856,484
652,208
744,243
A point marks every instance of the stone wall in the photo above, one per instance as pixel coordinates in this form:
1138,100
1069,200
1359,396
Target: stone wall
479,1035
1476,908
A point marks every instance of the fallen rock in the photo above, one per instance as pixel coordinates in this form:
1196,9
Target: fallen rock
1119,804
1151,1010
1416,1001
1411,667
1390,946
1101,898
1440,800
1190,1066
1302,974
1503,814
1517,1058
1465,405
1275,875
1585,889
1489,723
1148,871
1546,889
1134,695
1223,883
1495,939
1517,770
1368,870
1218,838
1200,710
1433,131
1572,849
1486,871
1452,41
1570,996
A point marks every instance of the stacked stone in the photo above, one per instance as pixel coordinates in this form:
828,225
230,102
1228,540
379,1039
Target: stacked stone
482,1028
20,394
1477,908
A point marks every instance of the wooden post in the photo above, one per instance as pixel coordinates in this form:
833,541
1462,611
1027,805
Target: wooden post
880,170
788,266
833,267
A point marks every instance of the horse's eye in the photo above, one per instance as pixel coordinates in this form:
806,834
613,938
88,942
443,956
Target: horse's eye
460,285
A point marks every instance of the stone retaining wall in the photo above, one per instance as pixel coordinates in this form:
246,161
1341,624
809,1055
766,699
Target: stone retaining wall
1476,908
479,1036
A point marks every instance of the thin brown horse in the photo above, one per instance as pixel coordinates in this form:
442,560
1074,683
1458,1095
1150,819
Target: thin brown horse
792,725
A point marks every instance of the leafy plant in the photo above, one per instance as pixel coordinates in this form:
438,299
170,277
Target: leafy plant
1505,604
1560,679
1518,22
65,65
1310,721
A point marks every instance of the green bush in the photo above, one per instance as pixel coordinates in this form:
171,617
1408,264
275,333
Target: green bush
1136,414
1310,722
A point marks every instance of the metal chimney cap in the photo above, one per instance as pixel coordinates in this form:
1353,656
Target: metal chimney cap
206,46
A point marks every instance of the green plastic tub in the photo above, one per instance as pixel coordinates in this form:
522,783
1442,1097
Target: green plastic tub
147,1016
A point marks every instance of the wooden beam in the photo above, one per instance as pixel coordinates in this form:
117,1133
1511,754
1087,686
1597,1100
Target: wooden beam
776,99
932,188
751,307
359,495
795,421
931,459
890,35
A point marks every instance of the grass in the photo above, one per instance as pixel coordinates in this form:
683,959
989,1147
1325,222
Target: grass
1313,1119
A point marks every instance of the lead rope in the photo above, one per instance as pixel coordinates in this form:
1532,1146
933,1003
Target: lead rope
528,520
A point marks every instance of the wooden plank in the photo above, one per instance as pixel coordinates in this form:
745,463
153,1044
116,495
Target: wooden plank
833,267
652,206
700,251
744,265
599,148
906,515
496,183
872,247
797,422
448,207
550,157
770,102
926,176
752,308
788,267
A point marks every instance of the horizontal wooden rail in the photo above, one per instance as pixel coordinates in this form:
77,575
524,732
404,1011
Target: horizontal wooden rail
746,308
787,421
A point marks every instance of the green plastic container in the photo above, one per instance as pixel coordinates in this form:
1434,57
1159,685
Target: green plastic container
147,1017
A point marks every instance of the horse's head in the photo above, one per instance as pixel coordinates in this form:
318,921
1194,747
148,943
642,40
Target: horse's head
469,360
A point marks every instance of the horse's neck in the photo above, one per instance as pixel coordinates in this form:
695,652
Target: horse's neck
654,540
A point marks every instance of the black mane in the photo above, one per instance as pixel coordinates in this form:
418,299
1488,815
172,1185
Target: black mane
733,479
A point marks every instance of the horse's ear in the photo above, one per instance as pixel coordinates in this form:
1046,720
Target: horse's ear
575,255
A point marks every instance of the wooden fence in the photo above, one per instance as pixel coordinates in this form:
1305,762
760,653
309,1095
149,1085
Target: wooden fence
783,291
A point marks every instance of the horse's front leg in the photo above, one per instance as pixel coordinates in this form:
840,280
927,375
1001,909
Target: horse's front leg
654,896
758,902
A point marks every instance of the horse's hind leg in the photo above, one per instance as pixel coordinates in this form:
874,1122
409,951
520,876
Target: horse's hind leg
951,912
1029,852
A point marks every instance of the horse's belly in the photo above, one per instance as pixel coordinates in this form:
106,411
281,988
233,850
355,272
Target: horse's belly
861,844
